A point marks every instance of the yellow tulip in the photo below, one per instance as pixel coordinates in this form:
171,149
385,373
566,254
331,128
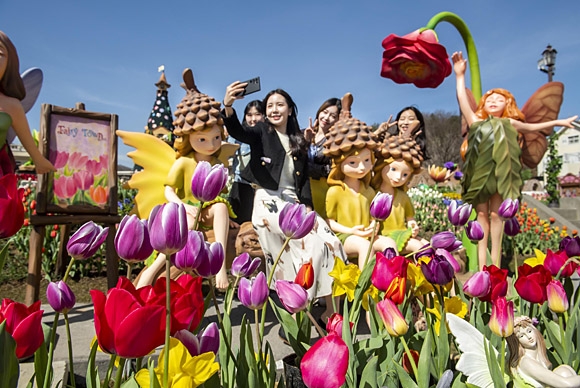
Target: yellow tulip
453,306
345,278
184,370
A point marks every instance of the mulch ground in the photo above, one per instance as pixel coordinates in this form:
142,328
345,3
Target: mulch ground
16,290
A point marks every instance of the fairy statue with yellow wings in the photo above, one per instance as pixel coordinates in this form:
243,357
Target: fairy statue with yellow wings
493,154
167,174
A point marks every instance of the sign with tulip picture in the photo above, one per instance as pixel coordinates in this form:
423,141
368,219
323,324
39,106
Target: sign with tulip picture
82,146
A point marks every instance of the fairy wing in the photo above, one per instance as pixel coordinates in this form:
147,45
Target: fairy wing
471,343
543,105
156,157
32,79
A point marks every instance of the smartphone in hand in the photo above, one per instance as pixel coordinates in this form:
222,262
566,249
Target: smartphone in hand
252,87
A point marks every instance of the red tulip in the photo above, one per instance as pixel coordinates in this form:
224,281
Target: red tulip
415,58
126,326
406,362
498,280
532,283
324,365
387,270
11,209
305,276
24,324
334,324
556,261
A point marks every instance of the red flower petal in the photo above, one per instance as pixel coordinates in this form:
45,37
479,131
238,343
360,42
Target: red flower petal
140,332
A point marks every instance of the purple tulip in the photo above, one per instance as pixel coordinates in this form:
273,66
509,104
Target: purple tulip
206,341
508,208
168,228
253,293
511,227
474,231
389,253
445,240
449,257
192,254
425,250
381,206
132,239
243,265
478,285
292,295
571,245
458,214
85,242
295,222
438,271
208,181
60,297
211,263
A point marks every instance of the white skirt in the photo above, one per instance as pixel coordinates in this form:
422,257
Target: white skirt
320,246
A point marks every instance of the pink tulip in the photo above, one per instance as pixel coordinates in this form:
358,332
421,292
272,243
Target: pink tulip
64,187
478,285
83,179
292,295
295,222
393,319
501,321
556,261
77,161
325,364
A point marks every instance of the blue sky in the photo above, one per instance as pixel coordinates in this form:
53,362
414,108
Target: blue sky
106,53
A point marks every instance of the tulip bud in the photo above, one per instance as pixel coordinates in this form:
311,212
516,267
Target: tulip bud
438,271
444,240
132,239
334,324
292,295
168,228
295,222
508,208
206,341
557,298
392,318
381,206
511,227
458,214
406,361
478,285
194,252
305,276
243,265
85,242
571,245
60,297
501,321
253,293
208,181
474,231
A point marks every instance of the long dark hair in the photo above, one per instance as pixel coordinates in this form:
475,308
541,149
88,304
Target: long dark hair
328,103
253,104
11,83
421,137
297,142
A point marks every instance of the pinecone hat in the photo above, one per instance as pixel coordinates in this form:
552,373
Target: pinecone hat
399,147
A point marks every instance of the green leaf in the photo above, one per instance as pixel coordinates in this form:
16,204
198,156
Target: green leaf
41,363
478,171
404,378
401,237
131,383
3,255
364,282
424,362
93,379
368,378
9,368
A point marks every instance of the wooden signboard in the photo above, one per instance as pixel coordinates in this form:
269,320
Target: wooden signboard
83,147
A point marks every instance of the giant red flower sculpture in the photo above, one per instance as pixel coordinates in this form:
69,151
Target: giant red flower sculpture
415,58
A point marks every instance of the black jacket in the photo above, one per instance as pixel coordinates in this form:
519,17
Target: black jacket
267,158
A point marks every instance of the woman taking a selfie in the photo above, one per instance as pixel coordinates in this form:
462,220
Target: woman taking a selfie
278,169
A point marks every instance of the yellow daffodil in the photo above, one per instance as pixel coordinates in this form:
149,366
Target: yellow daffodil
420,285
371,292
453,305
537,260
345,278
185,371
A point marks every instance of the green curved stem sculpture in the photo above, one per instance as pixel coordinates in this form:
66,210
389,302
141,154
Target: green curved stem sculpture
473,60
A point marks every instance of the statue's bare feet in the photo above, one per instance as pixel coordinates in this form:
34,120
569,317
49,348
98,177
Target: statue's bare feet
221,280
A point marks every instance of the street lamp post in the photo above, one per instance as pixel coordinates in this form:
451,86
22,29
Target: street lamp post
548,62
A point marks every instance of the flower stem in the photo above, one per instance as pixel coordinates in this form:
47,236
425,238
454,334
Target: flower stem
167,320
258,336
215,302
316,325
70,350
68,268
461,27
411,359
562,333
373,236
502,363
129,270
109,370
197,217
119,375
48,371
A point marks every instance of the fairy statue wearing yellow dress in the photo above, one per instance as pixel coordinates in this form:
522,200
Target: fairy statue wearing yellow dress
166,175
493,154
